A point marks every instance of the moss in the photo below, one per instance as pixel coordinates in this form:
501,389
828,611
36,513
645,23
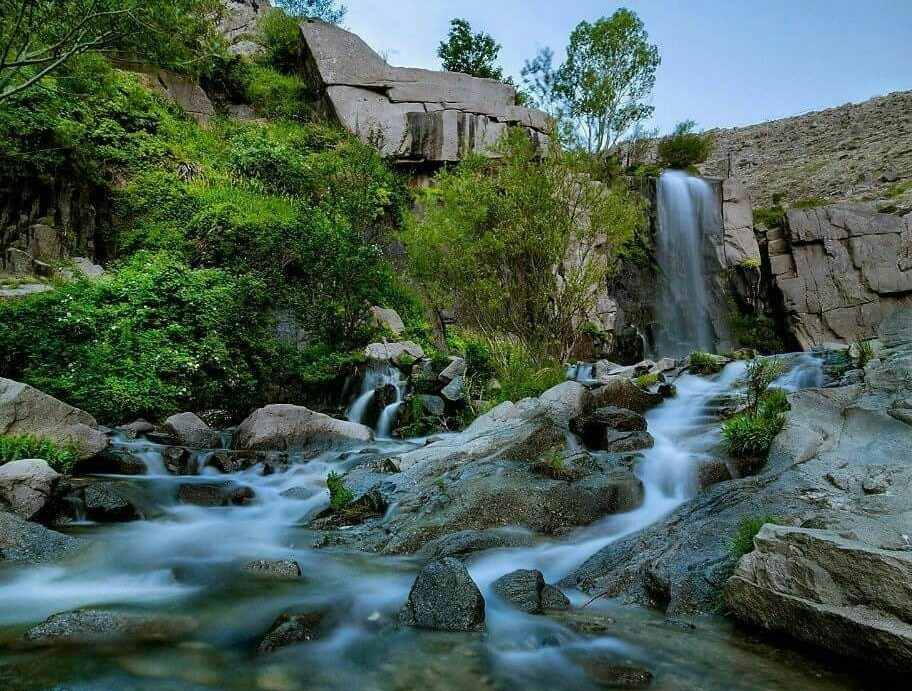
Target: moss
647,380
741,541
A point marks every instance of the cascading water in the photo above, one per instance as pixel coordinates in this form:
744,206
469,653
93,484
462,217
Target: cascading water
377,378
687,212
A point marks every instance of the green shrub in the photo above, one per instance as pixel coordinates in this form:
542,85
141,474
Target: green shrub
706,363
280,37
340,496
750,436
685,147
810,203
520,374
771,217
647,380
864,353
60,458
742,540
277,95
760,373
755,331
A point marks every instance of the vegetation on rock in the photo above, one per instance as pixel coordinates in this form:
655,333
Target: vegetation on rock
685,148
60,458
742,541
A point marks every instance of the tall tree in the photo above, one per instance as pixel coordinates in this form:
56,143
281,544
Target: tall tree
325,10
38,37
473,54
603,85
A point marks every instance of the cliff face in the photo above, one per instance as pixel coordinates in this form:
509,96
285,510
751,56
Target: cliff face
857,152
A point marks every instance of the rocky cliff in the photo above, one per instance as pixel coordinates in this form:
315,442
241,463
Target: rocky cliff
857,152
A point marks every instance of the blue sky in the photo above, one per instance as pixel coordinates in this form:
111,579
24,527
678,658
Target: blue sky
724,62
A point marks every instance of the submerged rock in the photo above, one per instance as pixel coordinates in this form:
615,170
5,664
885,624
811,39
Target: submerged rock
611,674
30,542
295,428
285,569
26,486
292,628
92,626
444,598
829,591
224,494
27,411
527,591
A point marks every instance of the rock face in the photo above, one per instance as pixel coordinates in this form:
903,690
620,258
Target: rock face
27,411
411,114
444,598
295,428
841,269
26,486
839,465
182,90
828,591
397,353
387,318
238,24
30,542
845,153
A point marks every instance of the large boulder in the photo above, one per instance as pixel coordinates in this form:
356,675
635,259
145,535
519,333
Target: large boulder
612,429
285,427
388,319
829,591
189,430
527,591
92,627
400,353
444,598
26,486
27,411
30,542
621,392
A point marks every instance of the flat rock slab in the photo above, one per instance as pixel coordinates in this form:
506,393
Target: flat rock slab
91,626
30,542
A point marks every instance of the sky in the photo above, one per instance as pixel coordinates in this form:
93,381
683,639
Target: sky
725,63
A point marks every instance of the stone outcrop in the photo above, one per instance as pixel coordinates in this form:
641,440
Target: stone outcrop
411,115
27,411
238,24
26,486
21,540
830,591
295,428
841,269
402,352
92,627
444,598
187,429
857,152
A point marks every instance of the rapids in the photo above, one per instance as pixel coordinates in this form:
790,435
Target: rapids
186,559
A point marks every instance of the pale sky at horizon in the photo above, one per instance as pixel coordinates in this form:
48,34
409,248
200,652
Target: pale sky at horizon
724,63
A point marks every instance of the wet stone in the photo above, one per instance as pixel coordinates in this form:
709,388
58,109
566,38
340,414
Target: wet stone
291,628
224,494
281,569
104,502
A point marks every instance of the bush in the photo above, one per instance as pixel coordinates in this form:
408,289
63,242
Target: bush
60,458
756,331
647,380
705,363
685,148
277,95
340,496
280,37
750,436
760,374
771,217
520,374
742,541
863,353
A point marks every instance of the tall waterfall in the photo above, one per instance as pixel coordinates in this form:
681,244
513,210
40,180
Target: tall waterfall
687,212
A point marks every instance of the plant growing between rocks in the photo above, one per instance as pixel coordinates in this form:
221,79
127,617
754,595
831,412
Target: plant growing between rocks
60,457
340,496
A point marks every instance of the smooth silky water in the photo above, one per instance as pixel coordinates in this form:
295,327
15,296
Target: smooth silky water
186,560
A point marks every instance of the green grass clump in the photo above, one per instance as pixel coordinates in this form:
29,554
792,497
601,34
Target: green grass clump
770,217
750,436
742,541
706,363
60,457
647,380
340,496
864,353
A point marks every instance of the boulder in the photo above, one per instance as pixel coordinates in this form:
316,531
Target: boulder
224,494
279,569
30,542
829,591
456,368
527,591
621,392
186,429
432,405
624,442
388,319
93,626
593,424
105,503
400,353
454,392
444,598
292,628
26,486
468,541
295,428
27,411
136,428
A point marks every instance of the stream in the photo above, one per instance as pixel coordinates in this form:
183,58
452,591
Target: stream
187,560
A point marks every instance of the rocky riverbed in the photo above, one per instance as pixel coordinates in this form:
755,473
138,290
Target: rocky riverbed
576,540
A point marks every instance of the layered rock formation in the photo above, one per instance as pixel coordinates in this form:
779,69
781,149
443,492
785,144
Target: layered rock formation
857,152
411,115
841,270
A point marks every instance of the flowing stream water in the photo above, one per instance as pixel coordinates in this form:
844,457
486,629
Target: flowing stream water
185,559
688,210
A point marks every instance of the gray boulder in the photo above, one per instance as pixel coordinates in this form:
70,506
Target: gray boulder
189,430
223,494
30,542
386,318
828,591
279,569
106,503
26,486
292,628
603,426
456,368
527,591
27,411
400,353
454,392
295,428
444,598
92,626
621,392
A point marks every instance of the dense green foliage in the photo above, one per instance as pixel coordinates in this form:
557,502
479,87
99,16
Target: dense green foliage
325,10
770,216
750,433
603,86
340,496
705,363
491,233
473,54
757,331
280,36
685,148
60,458
742,541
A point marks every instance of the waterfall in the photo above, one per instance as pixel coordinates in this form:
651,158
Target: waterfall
376,378
687,212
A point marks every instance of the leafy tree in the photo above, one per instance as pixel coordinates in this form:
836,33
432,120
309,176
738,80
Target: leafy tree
39,37
473,54
517,246
325,10
685,147
602,86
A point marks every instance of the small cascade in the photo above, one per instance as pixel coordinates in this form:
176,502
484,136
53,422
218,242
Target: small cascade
581,372
684,311
377,379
